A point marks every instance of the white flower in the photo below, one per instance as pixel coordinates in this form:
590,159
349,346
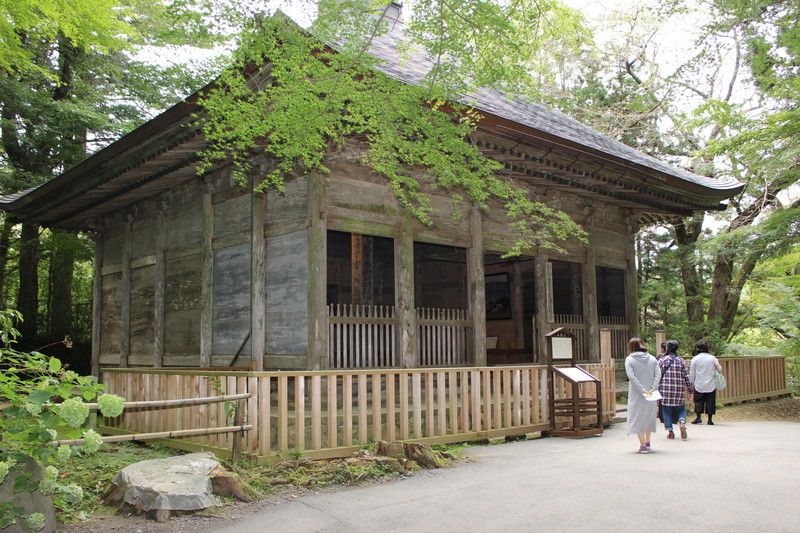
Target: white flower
74,412
91,441
36,521
111,405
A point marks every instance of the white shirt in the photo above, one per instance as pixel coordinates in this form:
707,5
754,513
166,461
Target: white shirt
701,372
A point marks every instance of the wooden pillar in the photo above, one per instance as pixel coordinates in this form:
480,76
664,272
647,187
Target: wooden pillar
97,303
357,268
590,290
631,290
517,306
477,288
258,280
544,308
407,353
125,293
661,337
207,279
160,294
317,274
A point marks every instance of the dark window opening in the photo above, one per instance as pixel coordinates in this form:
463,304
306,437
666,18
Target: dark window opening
440,276
360,269
567,288
610,291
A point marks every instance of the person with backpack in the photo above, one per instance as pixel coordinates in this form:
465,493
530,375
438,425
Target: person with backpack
675,387
643,375
702,375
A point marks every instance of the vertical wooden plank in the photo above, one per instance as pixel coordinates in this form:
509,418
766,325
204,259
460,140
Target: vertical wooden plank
97,304
477,289
526,396
160,285
631,285
206,277
347,409
333,410
376,407
589,289
357,268
464,382
487,398
283,413
452,378
441,391
363,424
497,386
404,281
404,414
316,412
125,313
517,397
391,406
429,405
317,274
507,390
258,281
416,395
202,410
300,412
263,420
475,387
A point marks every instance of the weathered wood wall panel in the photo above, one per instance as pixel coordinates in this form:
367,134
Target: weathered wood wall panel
111,318
184,230
182,316
287,293
287,211
142,299
112,250
232,221
610,248
231,301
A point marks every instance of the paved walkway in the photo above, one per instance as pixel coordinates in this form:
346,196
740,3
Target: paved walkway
741,477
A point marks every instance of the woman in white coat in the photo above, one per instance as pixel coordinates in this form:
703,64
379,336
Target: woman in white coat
643,377
701,374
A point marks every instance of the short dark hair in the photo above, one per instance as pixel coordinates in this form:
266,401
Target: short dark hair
672,346
701,347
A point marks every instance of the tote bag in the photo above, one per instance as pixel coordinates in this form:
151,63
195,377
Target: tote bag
720,380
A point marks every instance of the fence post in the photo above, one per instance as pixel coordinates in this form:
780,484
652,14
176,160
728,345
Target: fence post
237,439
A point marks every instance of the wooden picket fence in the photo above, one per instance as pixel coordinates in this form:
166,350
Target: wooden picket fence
333,413
752,378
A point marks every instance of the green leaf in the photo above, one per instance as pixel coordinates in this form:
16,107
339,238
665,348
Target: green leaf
40,396
54,364
21,482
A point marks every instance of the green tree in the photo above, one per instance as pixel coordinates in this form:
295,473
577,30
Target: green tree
69,83
315,96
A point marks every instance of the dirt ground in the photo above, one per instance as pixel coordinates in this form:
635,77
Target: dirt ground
783,409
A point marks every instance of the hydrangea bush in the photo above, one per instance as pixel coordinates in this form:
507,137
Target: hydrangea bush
42,402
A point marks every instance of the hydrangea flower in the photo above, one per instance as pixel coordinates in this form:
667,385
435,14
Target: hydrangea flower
72,493
49,481
111,405
36,521
91,441
74,412
63,454
5,466
34,409
53,434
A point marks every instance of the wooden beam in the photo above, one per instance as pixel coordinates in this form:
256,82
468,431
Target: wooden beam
125,311
317,274
590,288
207,277
477,288
258,280
160,290
97,303
631,290
408,355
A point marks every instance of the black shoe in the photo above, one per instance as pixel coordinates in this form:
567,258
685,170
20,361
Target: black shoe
697,421
710,423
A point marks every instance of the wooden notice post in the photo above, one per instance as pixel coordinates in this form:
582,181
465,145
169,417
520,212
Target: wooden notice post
560,350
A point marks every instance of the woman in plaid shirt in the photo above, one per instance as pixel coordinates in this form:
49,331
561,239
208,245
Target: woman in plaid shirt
674,388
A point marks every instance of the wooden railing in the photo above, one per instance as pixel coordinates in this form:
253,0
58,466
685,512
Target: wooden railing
620,334
576,324
443,336
752,378
362,336
332,413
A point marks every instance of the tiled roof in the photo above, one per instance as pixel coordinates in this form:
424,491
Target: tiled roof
412,68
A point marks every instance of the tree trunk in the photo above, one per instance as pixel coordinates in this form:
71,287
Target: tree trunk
28,297
5,243
61,275
687,234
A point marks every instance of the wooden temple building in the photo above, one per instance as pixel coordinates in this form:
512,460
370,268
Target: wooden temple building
332,273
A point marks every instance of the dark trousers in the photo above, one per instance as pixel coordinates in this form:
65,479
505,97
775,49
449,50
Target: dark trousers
705,402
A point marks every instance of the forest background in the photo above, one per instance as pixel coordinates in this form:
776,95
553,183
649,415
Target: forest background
712,86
